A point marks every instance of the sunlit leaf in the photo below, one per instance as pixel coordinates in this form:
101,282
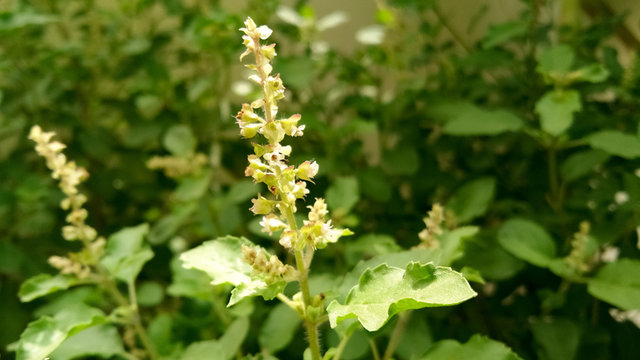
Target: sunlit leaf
385,291
223,261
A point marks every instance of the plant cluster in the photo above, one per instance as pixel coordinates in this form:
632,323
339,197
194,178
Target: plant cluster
521,148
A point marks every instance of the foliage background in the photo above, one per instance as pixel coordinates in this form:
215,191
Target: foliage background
121,82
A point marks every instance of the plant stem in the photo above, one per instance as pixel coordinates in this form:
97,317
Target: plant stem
396,336
137,324
341,347
110,286
374,349
310,324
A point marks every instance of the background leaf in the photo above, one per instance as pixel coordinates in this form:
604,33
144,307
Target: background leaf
556,110
616,143
472,199
478,348
528,241
279,328
618,283
45,284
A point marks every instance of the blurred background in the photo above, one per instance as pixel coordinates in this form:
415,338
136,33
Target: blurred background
144,94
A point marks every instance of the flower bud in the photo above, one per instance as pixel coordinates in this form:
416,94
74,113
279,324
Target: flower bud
262,205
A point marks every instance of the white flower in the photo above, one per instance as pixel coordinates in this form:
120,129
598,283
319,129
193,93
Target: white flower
271,223
370,35
621,197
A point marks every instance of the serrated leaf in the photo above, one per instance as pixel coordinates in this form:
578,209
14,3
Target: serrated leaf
618,283
474,121
472,199
126,253
528,241
44,335
582,163
343,194
385,291
279,328
616,143
102,341
399,259
479,347
45,284
179,140
556,110
222,260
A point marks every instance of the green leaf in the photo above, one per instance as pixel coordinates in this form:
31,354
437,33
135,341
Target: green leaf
223,261
242,191
126,253
490,259
234,336
44,335
188,282
528,241
618,283
474,121
179,140
451,244
343,194
102,341
582,163
385,291
369,245
279,328
149,105
204,350
399,259
478,347
149,293
403,160
498,34
556,110
45,284
558,338
193,187
594,73
557,59
472,199
616,143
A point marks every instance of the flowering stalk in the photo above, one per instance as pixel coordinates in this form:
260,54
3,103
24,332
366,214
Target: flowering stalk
86,263
285,182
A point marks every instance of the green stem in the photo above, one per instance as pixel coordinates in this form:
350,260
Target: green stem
310,324
374,349
110,286
137,324
341,347
396,336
